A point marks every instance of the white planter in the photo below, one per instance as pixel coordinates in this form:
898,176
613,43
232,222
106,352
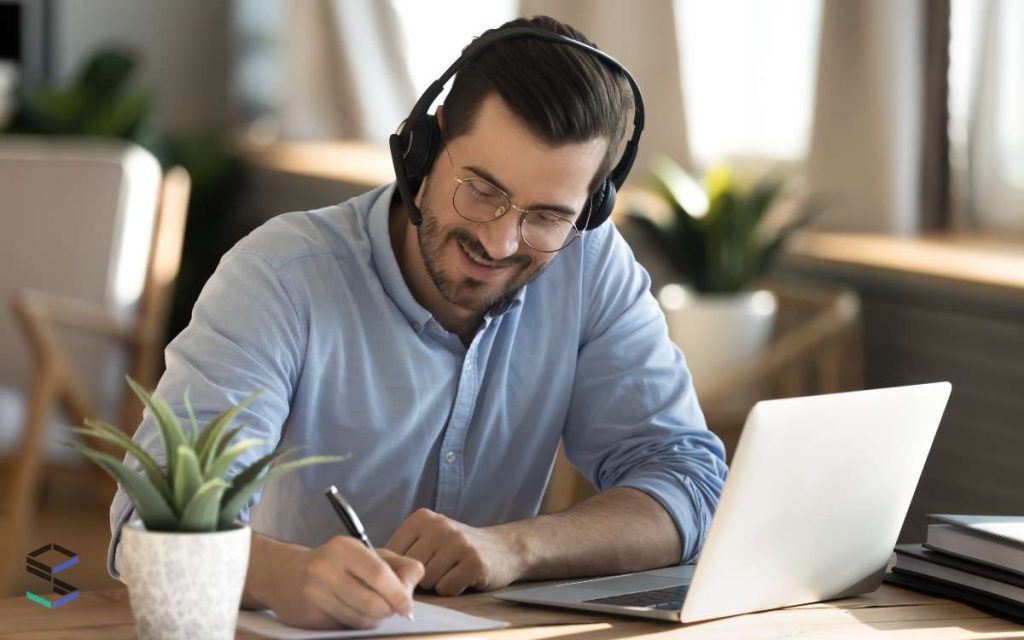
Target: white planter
184,586
718,333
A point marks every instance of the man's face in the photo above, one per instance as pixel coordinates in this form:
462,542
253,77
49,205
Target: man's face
477,265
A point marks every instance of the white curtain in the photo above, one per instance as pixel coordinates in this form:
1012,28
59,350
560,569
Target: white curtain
748,70
986,123
642,36
347,76
864,152
345,72
866,145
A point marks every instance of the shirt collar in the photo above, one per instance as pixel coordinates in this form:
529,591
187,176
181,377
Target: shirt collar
390,274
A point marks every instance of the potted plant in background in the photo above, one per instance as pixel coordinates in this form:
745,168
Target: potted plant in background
185,558
719,237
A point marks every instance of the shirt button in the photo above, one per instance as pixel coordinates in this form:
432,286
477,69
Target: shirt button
416,327
450,456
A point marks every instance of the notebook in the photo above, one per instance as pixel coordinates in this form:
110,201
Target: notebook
916,559
994,540
428,619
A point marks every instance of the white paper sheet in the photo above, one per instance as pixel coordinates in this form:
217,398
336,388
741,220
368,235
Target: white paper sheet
428,619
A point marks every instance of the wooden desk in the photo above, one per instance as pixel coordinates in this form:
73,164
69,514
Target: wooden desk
887,613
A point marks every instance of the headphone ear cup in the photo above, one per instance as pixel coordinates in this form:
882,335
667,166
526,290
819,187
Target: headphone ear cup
423,144
601,205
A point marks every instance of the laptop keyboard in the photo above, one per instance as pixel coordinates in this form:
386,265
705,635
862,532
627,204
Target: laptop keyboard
667,599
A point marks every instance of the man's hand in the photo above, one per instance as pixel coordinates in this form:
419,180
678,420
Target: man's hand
457,556
340,583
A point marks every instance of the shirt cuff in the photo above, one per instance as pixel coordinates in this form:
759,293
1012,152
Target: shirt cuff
683,504
121,511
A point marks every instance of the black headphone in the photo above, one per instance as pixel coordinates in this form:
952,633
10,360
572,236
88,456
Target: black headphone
418,139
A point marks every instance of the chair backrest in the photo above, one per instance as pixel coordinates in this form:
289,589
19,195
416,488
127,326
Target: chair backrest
77,220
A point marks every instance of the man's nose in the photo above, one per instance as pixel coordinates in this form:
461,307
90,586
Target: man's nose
501,237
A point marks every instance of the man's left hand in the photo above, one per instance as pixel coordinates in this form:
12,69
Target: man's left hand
457,556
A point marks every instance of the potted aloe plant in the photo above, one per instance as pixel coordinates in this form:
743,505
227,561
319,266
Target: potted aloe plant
719,235
185,558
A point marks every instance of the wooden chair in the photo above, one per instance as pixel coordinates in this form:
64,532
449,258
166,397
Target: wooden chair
50,318
817,348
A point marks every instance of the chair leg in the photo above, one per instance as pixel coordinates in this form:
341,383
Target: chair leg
23,490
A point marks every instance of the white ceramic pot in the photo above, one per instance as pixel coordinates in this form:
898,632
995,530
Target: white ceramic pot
718,333
184,586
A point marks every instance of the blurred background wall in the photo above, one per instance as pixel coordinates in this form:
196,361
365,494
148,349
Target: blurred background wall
183,50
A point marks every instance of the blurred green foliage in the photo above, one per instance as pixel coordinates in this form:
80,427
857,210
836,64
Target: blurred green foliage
101,101
719,235
98,102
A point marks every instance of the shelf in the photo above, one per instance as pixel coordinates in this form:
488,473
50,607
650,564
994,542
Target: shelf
965,258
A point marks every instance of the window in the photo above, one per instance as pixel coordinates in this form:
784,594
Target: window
435,32
259,66
283,73
1009,99
748,70
986,100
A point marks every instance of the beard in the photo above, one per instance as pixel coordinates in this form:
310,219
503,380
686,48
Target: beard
463,291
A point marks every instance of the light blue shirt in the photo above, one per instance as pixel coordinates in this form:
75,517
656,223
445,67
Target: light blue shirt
313,308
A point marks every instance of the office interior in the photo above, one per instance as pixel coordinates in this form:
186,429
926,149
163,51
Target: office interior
899,120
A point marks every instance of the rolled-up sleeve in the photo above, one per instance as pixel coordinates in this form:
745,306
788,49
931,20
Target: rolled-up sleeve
634,416
245,334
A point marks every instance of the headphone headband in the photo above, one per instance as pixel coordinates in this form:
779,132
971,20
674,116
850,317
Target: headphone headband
417,141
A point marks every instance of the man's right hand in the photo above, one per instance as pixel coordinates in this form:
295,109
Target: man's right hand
340,583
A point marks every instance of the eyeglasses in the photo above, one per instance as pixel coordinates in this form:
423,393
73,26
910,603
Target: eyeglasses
544,230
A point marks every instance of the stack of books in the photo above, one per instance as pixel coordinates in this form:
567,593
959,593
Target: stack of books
978,560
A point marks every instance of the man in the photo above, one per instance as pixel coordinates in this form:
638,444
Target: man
450,358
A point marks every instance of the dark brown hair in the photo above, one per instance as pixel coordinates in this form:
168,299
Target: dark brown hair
561,94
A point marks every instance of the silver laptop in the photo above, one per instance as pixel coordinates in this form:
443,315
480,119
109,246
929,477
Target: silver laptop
816,496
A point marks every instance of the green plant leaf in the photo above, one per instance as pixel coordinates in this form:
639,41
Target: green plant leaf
110,433
154,510
121,117
209,439
677,187
242,481
660,236
244,488
761,199
202,511
725,247
191,418
170,429
226,440
222,464
106,72
811,209
252,472
187,477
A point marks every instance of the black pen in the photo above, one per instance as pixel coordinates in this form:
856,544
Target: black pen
349,518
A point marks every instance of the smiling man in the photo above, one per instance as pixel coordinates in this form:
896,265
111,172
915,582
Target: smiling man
460,271
449,344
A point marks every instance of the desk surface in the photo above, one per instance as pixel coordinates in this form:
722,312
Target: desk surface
889,612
